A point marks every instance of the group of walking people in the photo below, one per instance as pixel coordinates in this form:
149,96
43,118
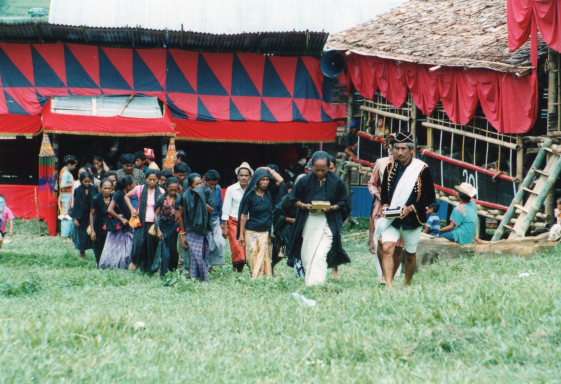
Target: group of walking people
141,218
136,217
151,220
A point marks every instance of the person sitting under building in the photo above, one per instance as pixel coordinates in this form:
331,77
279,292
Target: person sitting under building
464,220
351,139
555,231
433,222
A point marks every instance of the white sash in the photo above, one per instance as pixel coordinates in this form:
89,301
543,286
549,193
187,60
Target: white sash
401,194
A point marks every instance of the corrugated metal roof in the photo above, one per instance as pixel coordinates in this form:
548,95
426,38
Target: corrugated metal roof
219,16
279,43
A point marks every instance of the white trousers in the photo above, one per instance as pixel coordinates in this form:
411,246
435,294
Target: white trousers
379,271
411,237
316,244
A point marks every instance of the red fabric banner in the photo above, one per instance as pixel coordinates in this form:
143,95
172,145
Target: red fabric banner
106,126
25,203
509,103
255,132
12,125
545,13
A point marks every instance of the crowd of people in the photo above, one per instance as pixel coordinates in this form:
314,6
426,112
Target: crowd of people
141,218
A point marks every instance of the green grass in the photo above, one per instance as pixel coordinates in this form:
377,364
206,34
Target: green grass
464,320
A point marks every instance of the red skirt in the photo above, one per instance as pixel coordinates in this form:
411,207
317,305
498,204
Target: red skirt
238,252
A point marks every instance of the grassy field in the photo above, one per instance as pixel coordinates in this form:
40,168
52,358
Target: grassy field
466,320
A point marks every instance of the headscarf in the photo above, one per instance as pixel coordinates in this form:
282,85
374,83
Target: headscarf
251,187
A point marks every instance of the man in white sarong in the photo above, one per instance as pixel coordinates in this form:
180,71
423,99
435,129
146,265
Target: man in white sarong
316,237
407,185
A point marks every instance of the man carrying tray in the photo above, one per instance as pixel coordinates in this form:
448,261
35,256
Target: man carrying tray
407,189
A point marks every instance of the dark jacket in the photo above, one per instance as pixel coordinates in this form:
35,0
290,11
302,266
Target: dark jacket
82,203
195,213
251,187
421,197
281,228
336,195
101,217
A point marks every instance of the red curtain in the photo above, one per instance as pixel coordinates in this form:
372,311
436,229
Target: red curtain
508,102
20,125
23,200
546,14
255,132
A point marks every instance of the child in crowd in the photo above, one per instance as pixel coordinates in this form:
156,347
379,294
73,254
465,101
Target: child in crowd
167,224
555,231
6,216
164,177
433,221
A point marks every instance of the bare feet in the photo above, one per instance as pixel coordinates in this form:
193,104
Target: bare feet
132,267
336,274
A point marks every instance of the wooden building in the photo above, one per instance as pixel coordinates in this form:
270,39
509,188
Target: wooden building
443,70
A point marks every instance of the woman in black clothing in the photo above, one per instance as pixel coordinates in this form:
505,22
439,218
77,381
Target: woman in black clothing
118,245
284,217
144,243
167,224
98,170
80,214
256,221
99,218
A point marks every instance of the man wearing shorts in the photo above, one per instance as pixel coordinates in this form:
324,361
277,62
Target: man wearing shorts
408,186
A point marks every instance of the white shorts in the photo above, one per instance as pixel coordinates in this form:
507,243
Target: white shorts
411,237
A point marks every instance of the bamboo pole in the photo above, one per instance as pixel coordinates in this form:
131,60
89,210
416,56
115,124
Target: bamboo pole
519,197
413,120
470,134
552,100
552,117
384,113
553,168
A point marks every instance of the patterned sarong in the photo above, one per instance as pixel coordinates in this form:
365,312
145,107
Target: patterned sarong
197,250
259,250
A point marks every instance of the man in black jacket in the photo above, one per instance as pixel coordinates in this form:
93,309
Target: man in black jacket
407,188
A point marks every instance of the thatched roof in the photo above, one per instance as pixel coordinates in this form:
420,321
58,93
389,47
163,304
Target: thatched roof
453,33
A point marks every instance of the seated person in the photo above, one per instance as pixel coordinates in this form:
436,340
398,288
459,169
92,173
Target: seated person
464,220
351,139
433,222
555,231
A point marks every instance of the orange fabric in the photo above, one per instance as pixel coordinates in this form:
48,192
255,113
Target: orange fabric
238,252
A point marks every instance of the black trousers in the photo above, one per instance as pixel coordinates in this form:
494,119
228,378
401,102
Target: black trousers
144,248
169,255
98,246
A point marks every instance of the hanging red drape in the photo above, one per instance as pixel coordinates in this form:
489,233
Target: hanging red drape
24,201
547,15
509,103
13,125
255,132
